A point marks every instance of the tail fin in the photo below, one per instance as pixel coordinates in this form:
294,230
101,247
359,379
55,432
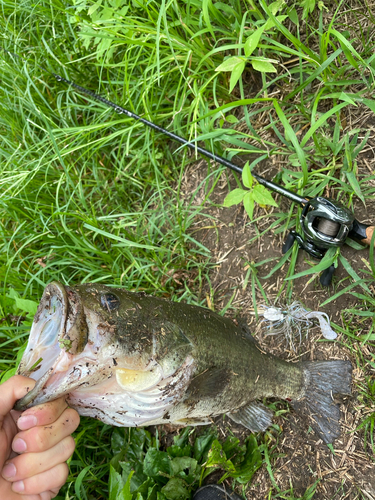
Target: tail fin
323,380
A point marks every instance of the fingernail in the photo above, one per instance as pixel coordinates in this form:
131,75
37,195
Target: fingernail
26,422
19,445
9,471
18,486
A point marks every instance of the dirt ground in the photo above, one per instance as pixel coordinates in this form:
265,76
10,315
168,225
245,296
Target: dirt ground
302,457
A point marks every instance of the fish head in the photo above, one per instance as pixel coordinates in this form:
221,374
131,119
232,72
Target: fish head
94,339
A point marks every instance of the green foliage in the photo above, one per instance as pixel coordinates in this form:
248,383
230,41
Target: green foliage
87,195
262,26
255,194
20,305
107,18
141,471
367,397
289,494
12,371
239,462
12,308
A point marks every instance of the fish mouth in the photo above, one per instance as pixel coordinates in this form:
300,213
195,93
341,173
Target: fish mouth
54,339
67,351
48,327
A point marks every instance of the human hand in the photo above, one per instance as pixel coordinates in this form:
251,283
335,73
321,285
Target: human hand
34,445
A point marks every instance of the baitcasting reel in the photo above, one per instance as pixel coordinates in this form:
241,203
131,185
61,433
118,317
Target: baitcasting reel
325,223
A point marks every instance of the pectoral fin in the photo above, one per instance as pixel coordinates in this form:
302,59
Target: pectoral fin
255,416
208,384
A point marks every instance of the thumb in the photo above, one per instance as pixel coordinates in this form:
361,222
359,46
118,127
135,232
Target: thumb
10,391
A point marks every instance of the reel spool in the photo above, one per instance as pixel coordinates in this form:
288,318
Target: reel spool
325,223
328,228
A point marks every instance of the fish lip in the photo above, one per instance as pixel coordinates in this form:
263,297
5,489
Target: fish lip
54,303
53,289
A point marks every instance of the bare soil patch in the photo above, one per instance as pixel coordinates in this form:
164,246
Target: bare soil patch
302,457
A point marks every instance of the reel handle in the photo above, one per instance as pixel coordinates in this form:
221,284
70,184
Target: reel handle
369,233
362,232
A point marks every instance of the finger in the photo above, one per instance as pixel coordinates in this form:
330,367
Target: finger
42,414
41,438
46,495
13,389
44,484
28,465
55,491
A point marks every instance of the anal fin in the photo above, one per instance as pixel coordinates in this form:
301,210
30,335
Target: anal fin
254,416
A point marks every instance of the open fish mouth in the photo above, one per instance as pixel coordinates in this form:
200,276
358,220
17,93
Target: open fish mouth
43,348
58,340
48,327
59,355
74,351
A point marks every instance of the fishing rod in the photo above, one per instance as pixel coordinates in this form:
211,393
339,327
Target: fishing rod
325,223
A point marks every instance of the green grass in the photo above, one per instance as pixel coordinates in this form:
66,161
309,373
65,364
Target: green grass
91,196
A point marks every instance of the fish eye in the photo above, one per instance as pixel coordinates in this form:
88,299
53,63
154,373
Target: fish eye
109,301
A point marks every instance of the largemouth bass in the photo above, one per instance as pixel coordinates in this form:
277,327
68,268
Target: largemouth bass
130,359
